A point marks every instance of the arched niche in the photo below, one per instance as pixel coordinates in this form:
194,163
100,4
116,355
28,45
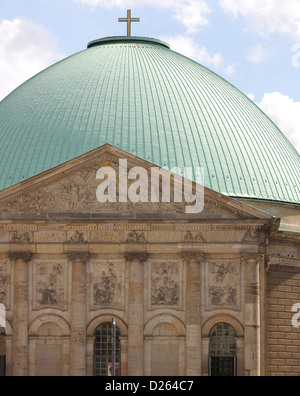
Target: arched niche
164,346
49,338
52,321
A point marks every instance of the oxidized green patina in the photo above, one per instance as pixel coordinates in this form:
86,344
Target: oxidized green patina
138,95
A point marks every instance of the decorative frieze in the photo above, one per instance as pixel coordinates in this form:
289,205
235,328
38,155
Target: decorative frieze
251,236
136,237
194,237
18,237
126,234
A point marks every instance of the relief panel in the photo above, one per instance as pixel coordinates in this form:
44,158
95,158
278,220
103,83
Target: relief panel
107,286
165,285
50,280
223,284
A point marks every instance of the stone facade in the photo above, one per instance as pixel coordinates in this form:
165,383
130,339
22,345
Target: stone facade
283,341
68,265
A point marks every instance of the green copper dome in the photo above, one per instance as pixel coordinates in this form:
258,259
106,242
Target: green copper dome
138,95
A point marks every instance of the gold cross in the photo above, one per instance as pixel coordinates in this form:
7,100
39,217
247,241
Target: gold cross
129,20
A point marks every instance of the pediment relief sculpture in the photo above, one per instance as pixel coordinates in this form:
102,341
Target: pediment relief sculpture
72,188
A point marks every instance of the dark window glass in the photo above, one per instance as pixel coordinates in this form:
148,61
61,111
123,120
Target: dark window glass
222,351
103,351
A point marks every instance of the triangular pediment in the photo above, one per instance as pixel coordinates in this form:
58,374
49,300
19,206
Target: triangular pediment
70,191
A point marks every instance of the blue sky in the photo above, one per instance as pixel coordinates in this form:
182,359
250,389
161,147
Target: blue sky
253,44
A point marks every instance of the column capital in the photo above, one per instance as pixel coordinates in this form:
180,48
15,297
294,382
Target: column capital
79,256
193,257
142,257
25,256
248,257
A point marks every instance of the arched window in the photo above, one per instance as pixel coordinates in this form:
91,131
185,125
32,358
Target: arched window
103,347
222,351
2,353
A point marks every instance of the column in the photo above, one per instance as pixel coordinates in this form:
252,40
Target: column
136,314
78,314
193,314
20,348
252,314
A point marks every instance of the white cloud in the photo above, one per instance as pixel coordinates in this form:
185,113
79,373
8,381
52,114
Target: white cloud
230,69
258,54
268,16
188,47
285,112
191,13
25,49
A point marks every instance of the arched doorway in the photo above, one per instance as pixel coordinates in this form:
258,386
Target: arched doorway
222,351
103,347
2,353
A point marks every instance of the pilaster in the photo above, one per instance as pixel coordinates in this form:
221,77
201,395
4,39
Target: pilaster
136,313
193,313
20,356
78,313
253,313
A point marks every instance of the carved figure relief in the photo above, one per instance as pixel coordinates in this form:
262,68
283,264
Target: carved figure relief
77,237
194,237
224,284
20,238
75,192
251,236
50,290
107,284
165,284
135,237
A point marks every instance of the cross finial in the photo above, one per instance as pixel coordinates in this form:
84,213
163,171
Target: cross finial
129,20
